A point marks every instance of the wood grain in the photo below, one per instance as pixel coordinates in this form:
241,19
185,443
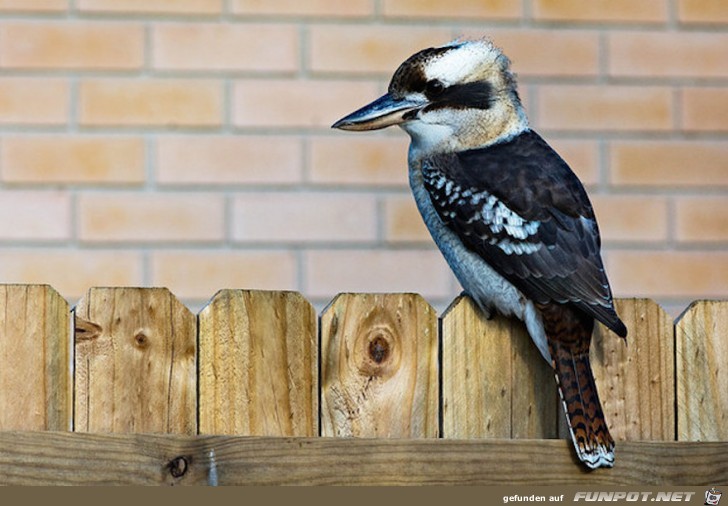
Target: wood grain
54,458
495,384
702,372
636,379
379,368
36,386
135,362
258,364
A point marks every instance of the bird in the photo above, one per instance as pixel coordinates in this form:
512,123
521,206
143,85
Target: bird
510,217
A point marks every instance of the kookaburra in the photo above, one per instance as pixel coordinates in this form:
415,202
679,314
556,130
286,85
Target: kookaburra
510,217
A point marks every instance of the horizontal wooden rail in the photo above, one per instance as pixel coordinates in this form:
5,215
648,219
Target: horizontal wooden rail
56,458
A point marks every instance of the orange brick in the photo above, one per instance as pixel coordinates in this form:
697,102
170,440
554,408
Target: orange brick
33,5
319,8
702,219
631,218
152,6
133,217
695,274
26,101
705,109
297,103
329,272
203,46
572,107
581,156
454,9
403,222
72,159
702,11
34,215
653,54
206,272
155,102
601,11
367,49
228,160
547,52
360,160
304,217
71,272
669,163
71,46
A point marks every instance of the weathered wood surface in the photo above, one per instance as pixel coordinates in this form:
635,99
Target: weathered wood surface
136,372
702,372
379,366
495,383
258,364
36,386
636,379
54,458
135,362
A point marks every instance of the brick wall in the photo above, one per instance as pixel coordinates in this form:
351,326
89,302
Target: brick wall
185,143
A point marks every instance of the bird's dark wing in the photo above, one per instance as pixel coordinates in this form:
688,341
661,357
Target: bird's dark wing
520,207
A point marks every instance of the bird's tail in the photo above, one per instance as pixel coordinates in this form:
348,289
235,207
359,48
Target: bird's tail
569,337
592,441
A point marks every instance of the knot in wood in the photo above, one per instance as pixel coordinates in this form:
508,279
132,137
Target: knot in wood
141,340
378,352
379,349
178,466
86,330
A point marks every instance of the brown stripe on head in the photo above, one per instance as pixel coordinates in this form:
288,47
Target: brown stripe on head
410,75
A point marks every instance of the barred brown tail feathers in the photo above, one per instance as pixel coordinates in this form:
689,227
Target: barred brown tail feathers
569,335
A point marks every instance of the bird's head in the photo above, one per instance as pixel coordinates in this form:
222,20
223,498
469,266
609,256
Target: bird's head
457,96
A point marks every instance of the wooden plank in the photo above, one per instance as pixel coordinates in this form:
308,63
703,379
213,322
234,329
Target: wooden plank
135,362
55,458
379,368
702,372
495,384
36,386
636,380
258,364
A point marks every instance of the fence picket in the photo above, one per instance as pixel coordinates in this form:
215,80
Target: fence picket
379,366
702,372
495,383
35,351
258,364
136,352
636,379
135,362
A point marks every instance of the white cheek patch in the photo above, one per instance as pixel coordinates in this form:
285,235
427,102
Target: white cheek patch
427,137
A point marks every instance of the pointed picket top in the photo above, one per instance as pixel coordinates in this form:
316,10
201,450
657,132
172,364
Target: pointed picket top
135,362
702,372
379,366
36,386
258,364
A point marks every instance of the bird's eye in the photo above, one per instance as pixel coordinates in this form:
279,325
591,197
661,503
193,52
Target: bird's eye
434,88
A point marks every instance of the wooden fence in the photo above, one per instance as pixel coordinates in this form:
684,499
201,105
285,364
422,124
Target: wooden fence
256,389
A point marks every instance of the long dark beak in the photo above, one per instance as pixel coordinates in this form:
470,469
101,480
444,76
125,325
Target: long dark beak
383,112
